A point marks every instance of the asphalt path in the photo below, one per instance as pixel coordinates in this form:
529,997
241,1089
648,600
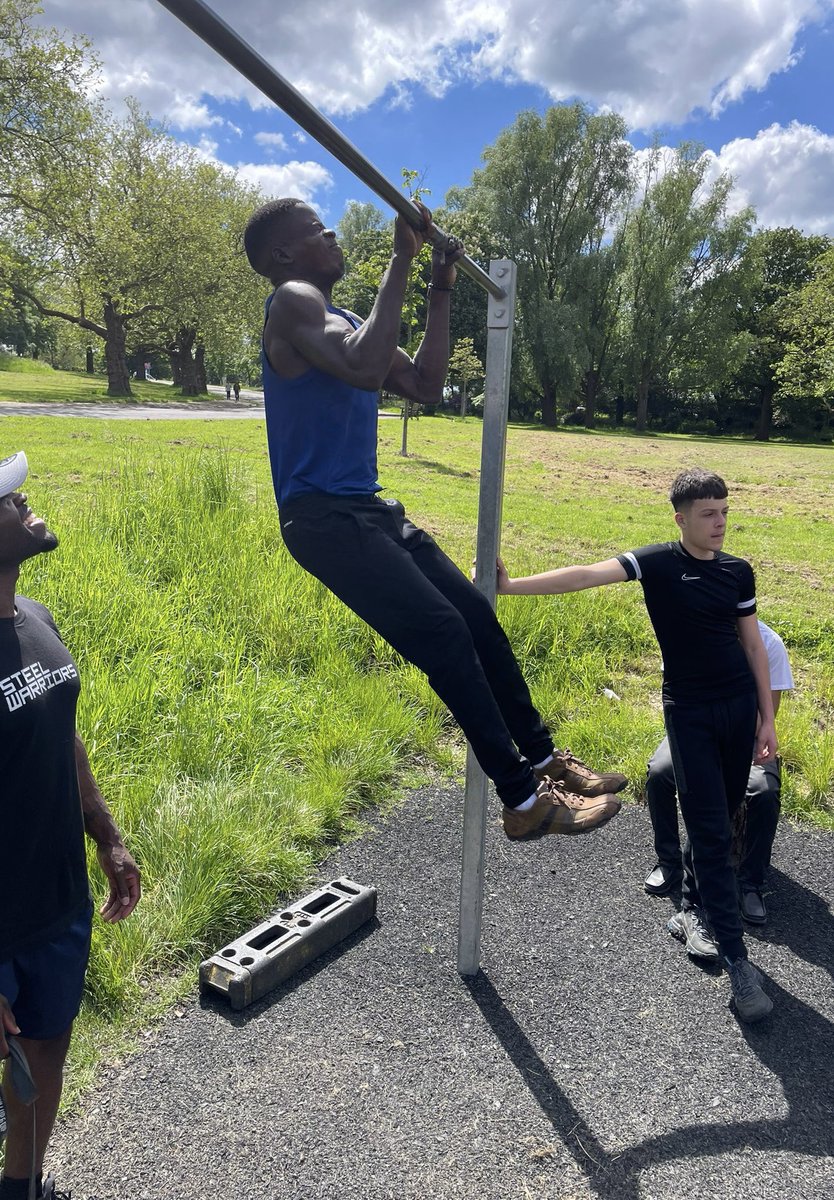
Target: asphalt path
590,1058
250,407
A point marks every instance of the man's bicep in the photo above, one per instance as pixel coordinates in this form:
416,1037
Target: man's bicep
402,378
748,630
610,570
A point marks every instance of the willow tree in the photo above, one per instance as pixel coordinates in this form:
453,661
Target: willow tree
685,277
549,189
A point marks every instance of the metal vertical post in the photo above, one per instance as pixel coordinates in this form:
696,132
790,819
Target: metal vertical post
493,447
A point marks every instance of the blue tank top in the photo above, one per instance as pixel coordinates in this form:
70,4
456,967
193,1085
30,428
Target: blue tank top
321,432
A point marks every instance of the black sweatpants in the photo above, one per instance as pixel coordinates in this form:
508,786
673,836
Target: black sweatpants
762,799
712,747
397,579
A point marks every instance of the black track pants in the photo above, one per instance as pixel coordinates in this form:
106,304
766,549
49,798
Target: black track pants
763,803
712,747
397,579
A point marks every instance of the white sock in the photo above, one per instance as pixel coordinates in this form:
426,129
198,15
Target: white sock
543,763
527,804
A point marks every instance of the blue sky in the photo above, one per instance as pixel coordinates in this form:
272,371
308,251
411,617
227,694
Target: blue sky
429,88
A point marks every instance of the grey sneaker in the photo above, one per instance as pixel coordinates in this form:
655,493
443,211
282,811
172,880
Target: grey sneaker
751,1002
688,927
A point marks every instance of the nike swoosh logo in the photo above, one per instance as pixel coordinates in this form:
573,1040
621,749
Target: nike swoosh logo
688,577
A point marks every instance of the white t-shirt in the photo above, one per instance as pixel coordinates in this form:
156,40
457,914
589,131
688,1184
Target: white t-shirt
781,678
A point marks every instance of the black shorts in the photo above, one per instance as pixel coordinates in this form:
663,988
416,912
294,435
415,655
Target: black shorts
45,983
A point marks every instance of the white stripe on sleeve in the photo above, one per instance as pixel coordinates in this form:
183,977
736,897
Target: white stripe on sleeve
638,574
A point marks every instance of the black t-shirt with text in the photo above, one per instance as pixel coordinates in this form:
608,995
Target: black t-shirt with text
693,605
43,870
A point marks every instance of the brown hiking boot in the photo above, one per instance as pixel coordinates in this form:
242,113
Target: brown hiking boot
568,770
558,811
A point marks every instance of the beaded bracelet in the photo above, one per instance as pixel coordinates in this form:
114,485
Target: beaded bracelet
435,287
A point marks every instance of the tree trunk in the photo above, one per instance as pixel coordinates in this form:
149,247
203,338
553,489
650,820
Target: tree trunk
591,389
765,422
115,356
176,369
642,404
200,367
189,383
619,408
404,443
548,407
463,399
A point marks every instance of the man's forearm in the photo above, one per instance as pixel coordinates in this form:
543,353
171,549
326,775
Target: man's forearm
552,583
98,819
761,673
373,345
431,361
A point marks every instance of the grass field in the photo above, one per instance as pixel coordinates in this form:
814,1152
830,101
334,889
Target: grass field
239,718
26,381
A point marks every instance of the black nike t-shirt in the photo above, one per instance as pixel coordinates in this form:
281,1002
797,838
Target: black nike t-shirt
43,870
693,605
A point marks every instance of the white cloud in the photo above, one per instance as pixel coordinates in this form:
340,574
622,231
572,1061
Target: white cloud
206,148
305,180
653,60
786,173
273,141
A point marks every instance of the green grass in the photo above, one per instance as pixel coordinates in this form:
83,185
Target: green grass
239,719
24,366
25,381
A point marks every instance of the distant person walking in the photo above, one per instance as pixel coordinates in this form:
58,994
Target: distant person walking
228,390
236,386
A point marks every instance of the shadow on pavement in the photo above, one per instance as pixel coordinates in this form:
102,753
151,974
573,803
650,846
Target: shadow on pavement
796,1044
800,920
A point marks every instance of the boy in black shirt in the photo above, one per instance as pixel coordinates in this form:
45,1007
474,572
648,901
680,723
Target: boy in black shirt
49,800
717,702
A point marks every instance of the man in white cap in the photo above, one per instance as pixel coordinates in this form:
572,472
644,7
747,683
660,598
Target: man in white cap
49,800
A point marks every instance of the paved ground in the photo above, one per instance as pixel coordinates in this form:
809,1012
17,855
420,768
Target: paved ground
588,1059
250,407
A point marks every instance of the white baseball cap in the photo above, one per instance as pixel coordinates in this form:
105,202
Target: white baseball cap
13,472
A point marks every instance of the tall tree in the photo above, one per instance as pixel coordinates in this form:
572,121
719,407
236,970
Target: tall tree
807,366
466,367
549,187
205,294
782,263
684,263
44,91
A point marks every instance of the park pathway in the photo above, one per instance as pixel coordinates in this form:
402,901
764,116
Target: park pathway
250,407
588,1059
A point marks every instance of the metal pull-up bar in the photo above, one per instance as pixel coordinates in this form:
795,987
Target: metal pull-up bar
229,45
